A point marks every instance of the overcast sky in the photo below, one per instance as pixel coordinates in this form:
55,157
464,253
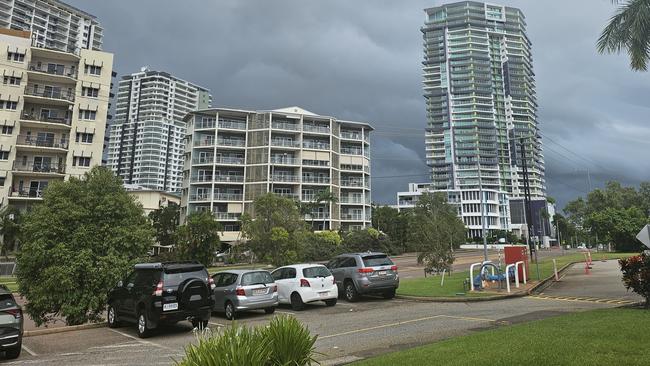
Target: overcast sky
361,60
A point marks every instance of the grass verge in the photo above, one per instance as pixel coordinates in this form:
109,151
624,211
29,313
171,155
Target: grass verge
598,337
430,286
10,282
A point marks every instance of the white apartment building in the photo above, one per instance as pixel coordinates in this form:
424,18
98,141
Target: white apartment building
53,24
53,108
233,156
146,138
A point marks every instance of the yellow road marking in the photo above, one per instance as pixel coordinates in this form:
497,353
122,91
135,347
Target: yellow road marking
582,299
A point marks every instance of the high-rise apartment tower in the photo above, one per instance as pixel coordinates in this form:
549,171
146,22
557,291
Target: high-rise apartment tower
481,106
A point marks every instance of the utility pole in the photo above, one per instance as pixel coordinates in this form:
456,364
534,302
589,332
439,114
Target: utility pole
529,220
480,192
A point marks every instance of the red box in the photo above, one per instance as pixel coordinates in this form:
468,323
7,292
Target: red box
515,254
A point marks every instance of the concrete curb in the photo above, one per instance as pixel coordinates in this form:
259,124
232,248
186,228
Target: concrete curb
71,328
547,282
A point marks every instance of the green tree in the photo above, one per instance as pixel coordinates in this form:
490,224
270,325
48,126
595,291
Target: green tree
629,30
273,212
198,238
435,230
165,222
83,238
618,226
366,240
10,219
393,223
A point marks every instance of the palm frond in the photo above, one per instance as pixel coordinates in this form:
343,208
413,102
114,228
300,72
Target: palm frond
629,29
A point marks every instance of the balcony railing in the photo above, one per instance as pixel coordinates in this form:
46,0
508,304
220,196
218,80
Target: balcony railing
350,135
292,196
285,143
351,183
320,129
31,193
232,124
285,126
228,196
206,124
316,145
312,179
352,199
317,216
229,160
31,140
228,178
49,93
200,197
201,178
45,118
285,178
349,151
204,142
323,163
349,216
39,167
284,160
226,215
231,142
203,161
61,71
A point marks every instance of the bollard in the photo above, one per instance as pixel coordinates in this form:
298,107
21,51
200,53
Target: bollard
555,270
442,282
471,275
586,264
589,254
508,279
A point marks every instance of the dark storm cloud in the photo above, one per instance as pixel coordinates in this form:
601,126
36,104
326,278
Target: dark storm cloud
361,60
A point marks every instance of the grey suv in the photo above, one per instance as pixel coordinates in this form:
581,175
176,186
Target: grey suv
364,273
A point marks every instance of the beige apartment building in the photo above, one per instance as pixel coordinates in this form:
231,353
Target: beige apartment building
53,109
233,156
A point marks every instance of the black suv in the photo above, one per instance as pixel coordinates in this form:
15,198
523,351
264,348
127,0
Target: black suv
156,293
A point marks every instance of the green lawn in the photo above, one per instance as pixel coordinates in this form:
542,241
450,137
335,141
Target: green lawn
599,337
10,282
430,286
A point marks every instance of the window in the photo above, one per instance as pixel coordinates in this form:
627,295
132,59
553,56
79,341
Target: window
7,130
4,155
15,56
377,260
89,92
93,70
81,161
2,181
315,272
254,278
87,114
86,138
11,80
7,104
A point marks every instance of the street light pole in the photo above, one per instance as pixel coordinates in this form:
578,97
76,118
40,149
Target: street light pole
481,198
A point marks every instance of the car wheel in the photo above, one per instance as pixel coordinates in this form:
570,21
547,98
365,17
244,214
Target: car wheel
200,324
143,325
296,302
270,310
389,294
111,317
330,302
230,311
351,293
12,353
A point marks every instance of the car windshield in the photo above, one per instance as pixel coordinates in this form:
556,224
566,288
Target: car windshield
377,260
314,272
176,278
254,278
7,301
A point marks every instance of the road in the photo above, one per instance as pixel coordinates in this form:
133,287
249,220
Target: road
347,332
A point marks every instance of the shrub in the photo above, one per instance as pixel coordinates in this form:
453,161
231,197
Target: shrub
284,342
636,275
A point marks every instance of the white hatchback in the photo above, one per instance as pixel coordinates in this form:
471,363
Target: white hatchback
299,284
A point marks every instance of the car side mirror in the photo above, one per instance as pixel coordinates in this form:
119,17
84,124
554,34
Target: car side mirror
120,284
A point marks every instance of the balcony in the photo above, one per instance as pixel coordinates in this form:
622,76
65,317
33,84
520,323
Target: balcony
318,129
204,142
29,194
317,163
39,119
285,126
316,145
284,143
39,168
232,124
229,160
200,197
351,135
317,180
292,196
201,179
202,160
54,70
222,178
357,183
351,216
40,142
230,216
228,196
53,94
352,200
286,178
231,142
283,160
351,151
317,216
205,125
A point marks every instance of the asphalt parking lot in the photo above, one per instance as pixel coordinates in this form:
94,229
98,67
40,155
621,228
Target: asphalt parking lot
347,332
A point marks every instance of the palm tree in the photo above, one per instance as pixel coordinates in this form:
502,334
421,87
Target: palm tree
328,198
629,30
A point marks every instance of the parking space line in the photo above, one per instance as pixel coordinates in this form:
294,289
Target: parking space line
468,318
379,327
217,324
141,340
32,353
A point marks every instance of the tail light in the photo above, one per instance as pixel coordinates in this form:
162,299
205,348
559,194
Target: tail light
304,283
275,288
17,313
211,282
159,289
333,281
393,268
240,292
366,270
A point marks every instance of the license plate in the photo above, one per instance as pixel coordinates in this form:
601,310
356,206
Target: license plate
323,294
259,291
381,273
170,306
